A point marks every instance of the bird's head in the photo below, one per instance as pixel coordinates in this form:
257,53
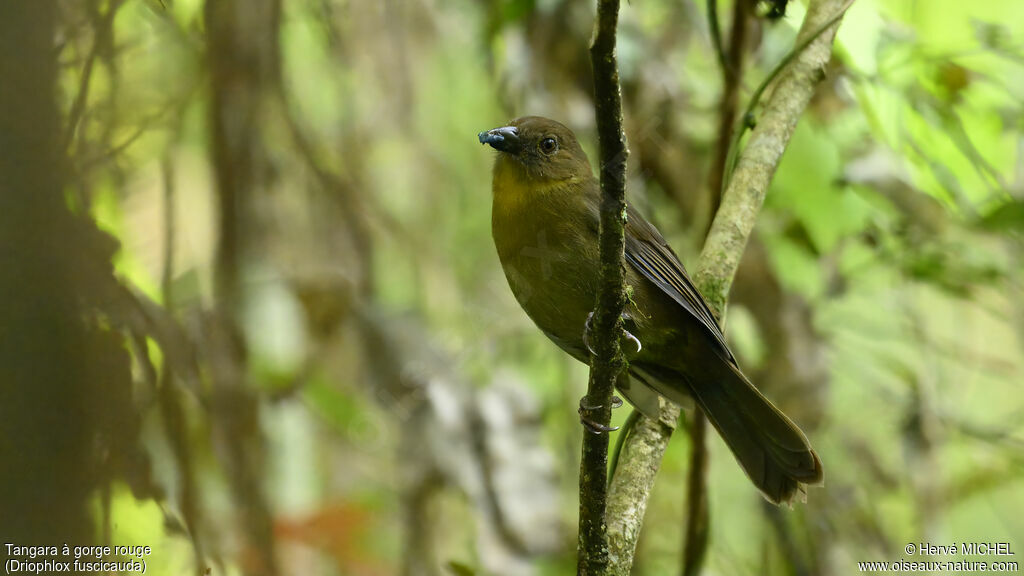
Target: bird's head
535,155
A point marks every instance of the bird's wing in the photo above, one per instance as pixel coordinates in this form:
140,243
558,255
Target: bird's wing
649,253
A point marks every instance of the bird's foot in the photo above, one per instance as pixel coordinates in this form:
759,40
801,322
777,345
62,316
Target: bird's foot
590,425
634,340
625,334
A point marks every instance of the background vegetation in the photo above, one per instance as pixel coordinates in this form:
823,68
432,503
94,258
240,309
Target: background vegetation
300,355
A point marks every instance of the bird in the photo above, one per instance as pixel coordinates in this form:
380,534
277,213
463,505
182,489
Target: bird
544,222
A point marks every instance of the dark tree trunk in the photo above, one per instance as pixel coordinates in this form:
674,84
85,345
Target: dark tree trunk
47,384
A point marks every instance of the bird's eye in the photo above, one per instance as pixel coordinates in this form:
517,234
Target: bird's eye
548,145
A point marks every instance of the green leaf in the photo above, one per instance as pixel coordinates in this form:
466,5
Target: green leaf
1008,217
459,569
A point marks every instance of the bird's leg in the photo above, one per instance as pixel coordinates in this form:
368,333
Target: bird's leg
589,424
634,340
586,334
626,334
627,320
585,409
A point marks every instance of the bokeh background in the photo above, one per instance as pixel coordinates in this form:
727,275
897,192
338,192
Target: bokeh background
306,360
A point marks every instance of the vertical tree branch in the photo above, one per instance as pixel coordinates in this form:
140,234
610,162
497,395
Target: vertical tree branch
731,61
631,487
643,450
698,514
102,28
172,411
606,362
716,34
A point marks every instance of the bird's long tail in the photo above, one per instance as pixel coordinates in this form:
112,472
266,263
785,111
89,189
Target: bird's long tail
770,448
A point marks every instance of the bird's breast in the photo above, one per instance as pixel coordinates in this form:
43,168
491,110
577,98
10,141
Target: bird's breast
551,268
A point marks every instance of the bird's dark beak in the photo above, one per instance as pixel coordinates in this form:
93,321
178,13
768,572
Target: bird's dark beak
505,139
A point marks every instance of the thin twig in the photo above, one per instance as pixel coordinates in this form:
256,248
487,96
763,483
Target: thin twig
177,107
607,362
732,71
698,515
101,30
627,427
716,33
171,409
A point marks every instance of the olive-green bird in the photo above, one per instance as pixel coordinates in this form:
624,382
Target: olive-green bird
545,223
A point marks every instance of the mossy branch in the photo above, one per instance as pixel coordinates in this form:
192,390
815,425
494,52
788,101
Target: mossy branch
606,362
741,202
